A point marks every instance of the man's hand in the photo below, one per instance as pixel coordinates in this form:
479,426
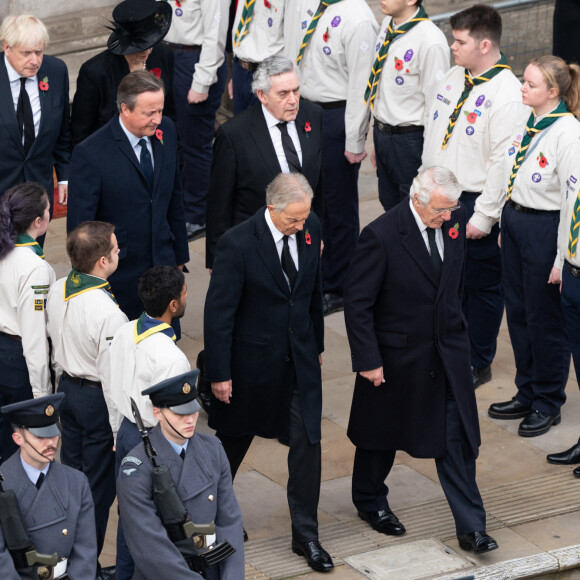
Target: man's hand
472,233
222,391
375,376
555,276
231,89
355,157
320,359
374,158
193,97
62,193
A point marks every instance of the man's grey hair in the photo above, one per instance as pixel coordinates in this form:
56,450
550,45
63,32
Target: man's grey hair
134,84
287,188
435,180
272,66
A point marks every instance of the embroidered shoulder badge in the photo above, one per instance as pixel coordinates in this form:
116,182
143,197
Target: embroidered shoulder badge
131,459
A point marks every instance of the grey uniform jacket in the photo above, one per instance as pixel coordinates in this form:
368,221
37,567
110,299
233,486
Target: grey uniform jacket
204,484
59,517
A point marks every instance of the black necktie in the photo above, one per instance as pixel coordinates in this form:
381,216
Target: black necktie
289,149
39,480
182,454
435,255
24,116
288,264
146,163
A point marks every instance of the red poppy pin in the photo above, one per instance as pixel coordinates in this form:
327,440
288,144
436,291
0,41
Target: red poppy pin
177,3
471,117
542,160
398,64
267,4
43,85
307,128
307,237
159,135
156,72
454,231
326,36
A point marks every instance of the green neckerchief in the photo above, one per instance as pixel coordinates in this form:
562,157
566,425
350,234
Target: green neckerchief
245,20
392,35
469,84
78,283
324,4
145,326
24,240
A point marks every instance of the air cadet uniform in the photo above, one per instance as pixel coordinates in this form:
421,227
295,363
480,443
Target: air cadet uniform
83,318
198,39
417,58
143,353
204,484
59,513
545,178
257,33
335,52
25,278
475,152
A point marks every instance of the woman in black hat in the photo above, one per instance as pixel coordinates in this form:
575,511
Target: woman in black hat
138,26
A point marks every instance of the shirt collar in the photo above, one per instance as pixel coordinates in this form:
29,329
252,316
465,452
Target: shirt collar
276,233
422,227
133,139
12,74
397,26
31,472
271,121
177,448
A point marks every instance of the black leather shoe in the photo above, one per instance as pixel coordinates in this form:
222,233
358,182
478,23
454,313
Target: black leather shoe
316,556
107,573
508,410
194,231
568,457
384,521
479,542
537,423
331,303
480,376
576,472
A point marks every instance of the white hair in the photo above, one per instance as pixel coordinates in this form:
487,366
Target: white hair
287,188
272,66
435,180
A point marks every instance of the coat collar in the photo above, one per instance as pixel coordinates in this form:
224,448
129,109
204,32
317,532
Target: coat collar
261,136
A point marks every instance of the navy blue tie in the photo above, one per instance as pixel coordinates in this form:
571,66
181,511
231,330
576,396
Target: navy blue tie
146,163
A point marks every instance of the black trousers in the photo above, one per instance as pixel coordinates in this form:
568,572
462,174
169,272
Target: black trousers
456,473
304,471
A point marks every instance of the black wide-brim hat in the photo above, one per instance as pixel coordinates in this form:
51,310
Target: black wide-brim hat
138,25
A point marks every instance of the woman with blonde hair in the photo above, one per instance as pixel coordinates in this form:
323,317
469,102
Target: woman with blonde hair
543,160
25,278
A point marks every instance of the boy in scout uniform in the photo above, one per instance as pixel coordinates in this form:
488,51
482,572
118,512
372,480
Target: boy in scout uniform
201,472
55,500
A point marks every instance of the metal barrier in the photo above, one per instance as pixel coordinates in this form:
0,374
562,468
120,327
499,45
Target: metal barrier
527,30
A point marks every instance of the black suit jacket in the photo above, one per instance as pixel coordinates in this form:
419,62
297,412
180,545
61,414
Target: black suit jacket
244,163
51,148
398,317
95,101
107,184
262,335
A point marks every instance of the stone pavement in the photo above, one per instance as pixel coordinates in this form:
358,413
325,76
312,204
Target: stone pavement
533,507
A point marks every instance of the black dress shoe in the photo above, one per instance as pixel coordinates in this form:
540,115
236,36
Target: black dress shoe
576,472
331,303
316,556
537,423
384,522
480,376
479,542
568,457
107,573
245,535
194,231
508,410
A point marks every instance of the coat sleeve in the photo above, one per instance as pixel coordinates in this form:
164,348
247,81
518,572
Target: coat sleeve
6,562
82,564
85,106
316,312
363,285
62,147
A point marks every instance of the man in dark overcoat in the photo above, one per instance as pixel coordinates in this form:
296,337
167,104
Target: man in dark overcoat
264,334
127,174
410,348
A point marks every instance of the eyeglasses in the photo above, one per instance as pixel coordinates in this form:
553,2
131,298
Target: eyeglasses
438,211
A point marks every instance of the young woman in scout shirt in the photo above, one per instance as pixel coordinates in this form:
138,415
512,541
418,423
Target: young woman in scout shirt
543,160
25,278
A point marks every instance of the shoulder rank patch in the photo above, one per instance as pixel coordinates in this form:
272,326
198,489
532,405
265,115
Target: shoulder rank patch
131,459
39,305
41,288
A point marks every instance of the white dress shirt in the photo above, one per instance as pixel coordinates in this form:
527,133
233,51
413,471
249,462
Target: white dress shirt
276,136
134,141
278,240
31,86
423,229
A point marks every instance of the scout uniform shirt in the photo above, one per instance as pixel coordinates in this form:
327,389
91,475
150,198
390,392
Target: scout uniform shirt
203,23
82,328
263,36
476,149
336,62
416,62
25,279
142,355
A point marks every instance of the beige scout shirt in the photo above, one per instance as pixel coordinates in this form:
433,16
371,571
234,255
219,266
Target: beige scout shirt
475,152
335,67
416,62
202,22
25,279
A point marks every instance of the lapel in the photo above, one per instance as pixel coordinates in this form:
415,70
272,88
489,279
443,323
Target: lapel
7,112
263,141
166,454
44,97
305,140
267,250
413,242
450,248
158,157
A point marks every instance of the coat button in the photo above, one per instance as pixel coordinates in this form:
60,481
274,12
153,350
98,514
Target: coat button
290,330
432,374
65,532
291,303
210,497
287,358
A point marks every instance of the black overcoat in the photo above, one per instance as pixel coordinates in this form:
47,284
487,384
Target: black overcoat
398,317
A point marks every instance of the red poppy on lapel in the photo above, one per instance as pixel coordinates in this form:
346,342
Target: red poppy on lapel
307,237
307,128
454,231
156,72
43,84
159,135
326,36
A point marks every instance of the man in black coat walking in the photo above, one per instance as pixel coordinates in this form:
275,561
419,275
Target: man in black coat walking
410,348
